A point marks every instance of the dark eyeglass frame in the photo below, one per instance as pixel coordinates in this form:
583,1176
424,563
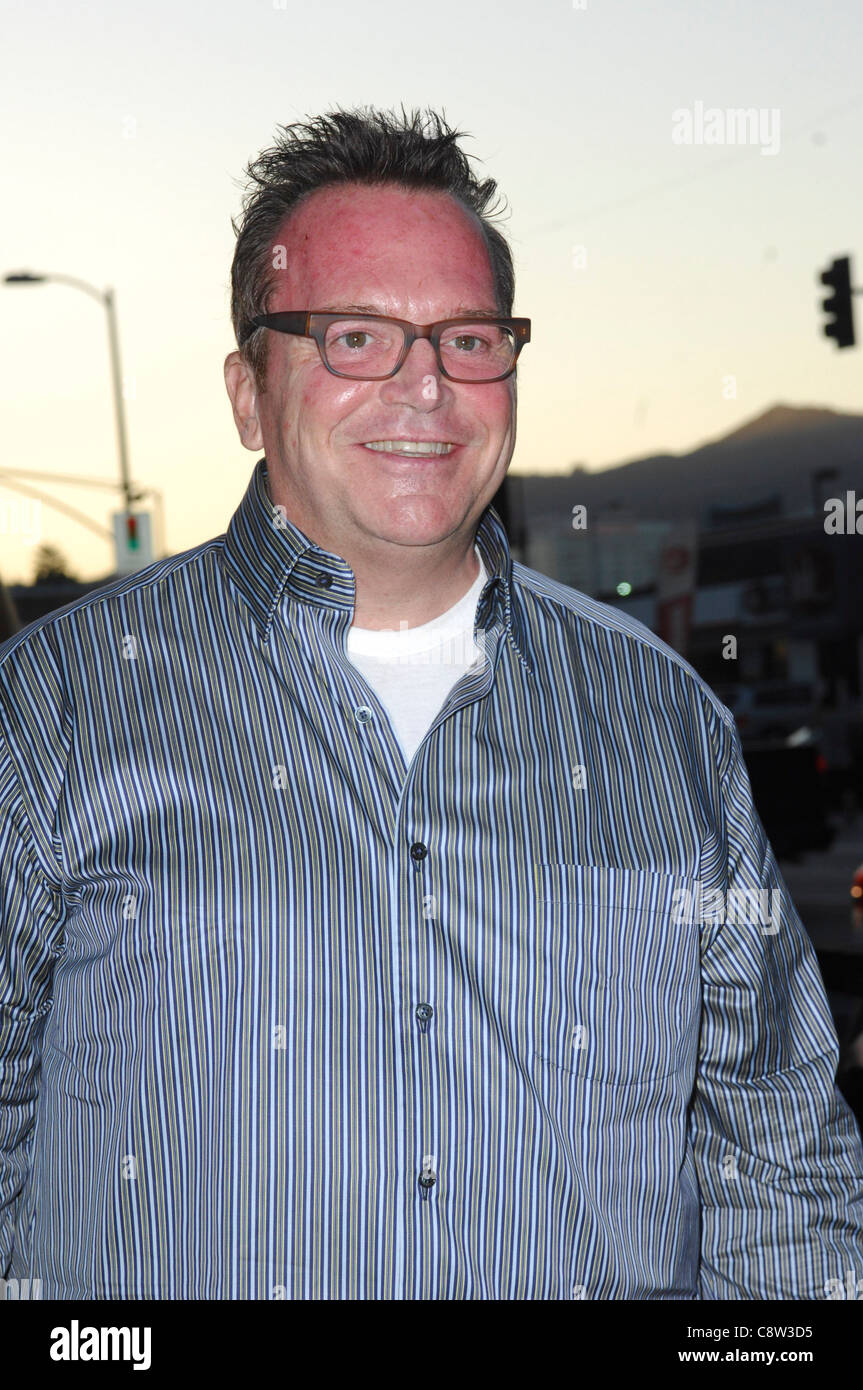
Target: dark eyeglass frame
312,324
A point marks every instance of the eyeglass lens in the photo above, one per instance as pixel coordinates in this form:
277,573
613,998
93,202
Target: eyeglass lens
479,351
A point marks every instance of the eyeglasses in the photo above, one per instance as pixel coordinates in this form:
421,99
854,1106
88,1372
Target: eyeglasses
369,347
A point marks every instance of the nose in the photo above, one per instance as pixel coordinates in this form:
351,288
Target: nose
418,382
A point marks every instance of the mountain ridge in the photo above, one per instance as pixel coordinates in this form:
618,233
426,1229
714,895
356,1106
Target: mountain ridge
770,460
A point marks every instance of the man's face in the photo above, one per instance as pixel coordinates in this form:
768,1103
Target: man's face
410,255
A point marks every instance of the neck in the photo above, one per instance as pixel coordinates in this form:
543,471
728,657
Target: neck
413,592
411,584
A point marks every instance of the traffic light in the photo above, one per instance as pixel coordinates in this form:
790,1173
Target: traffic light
838,304
133,543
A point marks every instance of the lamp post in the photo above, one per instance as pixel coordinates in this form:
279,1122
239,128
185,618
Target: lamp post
106,299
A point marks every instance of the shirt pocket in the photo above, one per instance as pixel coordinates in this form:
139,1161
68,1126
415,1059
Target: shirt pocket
617,980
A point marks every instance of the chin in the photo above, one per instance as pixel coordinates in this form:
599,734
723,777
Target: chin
418,524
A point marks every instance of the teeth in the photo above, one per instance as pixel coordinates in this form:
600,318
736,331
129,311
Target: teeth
409,446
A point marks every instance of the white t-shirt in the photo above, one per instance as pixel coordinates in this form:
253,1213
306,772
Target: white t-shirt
413,670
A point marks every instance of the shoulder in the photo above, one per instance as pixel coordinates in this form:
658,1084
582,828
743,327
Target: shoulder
612,634
153,588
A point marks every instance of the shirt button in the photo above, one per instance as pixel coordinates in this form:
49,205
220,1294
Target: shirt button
364,714
418,851
424,1013
323,580
427,1177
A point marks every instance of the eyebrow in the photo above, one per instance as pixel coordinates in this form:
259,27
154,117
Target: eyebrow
460,312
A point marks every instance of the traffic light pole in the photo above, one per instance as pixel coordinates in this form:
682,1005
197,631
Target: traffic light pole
117,378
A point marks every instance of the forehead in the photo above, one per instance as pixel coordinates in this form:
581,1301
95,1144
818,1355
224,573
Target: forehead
354,243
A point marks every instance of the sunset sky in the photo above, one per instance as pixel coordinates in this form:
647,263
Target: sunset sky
127,128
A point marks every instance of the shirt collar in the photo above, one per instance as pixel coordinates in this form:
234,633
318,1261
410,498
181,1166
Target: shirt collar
267,557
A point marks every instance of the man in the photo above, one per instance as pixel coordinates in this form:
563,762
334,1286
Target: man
353,929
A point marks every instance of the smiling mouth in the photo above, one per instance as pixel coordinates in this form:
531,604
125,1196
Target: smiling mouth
418,447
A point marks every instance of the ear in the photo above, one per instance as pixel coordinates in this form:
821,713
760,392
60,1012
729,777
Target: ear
243,394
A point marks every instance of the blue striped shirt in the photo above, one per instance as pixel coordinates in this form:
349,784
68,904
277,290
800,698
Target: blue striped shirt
283,1017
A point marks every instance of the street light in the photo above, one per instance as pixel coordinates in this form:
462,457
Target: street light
106,299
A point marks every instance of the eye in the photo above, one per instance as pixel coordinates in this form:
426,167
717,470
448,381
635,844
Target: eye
354,338
463,342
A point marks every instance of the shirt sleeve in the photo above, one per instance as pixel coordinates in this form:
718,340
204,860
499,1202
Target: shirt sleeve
30,941
777,1149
